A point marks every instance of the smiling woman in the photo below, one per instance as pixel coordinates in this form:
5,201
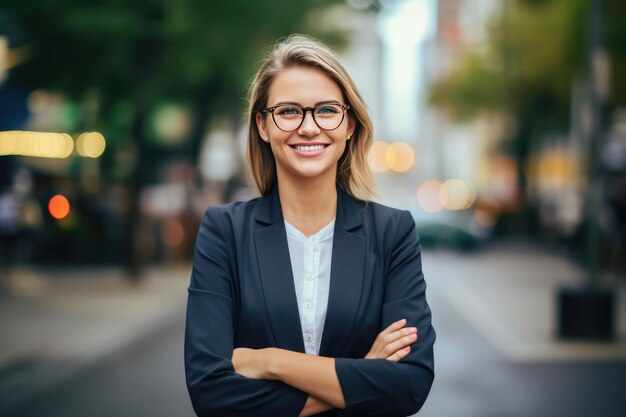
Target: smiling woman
294,136
309,299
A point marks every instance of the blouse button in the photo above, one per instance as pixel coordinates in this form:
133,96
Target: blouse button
308,337
309,277
308,305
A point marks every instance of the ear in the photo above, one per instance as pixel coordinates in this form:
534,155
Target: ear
351,126
260,125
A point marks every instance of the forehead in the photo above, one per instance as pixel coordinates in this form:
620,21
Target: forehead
303,85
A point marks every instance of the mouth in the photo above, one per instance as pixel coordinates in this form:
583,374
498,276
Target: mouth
310,148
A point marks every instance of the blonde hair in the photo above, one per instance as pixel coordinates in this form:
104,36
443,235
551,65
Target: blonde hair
353,173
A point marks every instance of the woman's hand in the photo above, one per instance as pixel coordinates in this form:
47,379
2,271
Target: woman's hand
251,363
393,342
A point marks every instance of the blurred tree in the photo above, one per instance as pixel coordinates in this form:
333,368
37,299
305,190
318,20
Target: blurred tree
536,50
123,59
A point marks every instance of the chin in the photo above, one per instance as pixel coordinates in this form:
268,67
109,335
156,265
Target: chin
310,172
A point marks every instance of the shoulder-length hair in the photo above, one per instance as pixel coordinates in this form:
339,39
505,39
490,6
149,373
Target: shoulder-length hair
353,173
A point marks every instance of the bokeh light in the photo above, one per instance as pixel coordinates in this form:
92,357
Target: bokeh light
400,156
486,211
456,194
67,147
59,207
90,144
377,156
428,196
36,144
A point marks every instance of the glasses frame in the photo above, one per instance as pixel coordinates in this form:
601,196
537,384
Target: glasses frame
344,107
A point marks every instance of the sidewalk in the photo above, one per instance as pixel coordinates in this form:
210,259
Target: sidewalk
507,294
54,323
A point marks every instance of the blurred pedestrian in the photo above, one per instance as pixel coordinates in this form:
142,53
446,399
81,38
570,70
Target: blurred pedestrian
310,298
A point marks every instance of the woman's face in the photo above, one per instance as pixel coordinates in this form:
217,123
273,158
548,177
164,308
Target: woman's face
308,151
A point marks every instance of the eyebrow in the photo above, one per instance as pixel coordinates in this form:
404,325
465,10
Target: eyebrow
282,103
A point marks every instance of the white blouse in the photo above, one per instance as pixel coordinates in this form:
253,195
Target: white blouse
310,263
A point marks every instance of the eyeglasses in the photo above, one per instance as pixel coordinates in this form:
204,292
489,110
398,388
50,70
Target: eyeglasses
289,117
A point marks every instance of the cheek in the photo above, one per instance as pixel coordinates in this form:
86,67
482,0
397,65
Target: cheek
342,144
345,148
277,142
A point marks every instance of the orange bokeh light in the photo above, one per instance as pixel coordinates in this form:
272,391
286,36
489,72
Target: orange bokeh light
59,207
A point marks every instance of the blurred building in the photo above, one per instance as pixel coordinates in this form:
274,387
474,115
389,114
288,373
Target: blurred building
453,150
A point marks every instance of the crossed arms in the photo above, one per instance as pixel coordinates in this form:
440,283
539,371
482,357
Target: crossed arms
228,381
316,375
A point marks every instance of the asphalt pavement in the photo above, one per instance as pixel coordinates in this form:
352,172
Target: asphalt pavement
85,342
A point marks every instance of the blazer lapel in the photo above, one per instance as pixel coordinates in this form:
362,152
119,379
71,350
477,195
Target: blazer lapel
346,276
270,241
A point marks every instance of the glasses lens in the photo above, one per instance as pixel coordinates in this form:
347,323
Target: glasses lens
329,116
288,118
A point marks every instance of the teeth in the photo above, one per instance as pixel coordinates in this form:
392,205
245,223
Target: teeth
310,148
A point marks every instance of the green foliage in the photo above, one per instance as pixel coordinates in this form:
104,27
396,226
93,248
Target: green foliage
616,27
616,44
535,49
152,48
473,88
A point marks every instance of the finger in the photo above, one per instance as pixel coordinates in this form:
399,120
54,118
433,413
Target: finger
385,346
394,326
400,354
381,339
400,343
398,334
387,336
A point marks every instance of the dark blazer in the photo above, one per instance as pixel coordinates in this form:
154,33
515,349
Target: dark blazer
242,295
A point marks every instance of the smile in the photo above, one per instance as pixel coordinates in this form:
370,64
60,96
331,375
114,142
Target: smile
309,148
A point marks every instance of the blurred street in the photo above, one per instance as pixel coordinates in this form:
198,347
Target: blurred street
500,125
79,343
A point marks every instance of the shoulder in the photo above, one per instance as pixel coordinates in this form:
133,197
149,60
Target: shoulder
229,210
223,218
386,225
386,215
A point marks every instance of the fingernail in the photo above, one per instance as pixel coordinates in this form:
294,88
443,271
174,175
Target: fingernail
413,329
406,349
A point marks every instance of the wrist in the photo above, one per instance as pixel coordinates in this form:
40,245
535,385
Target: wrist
272,359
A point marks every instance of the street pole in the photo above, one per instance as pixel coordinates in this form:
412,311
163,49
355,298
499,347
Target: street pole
588,312
598,76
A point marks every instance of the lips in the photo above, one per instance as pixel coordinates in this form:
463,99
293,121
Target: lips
310,147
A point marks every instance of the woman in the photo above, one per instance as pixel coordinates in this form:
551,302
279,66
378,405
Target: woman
308,299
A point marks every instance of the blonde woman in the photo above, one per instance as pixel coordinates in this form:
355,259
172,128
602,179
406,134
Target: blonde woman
308,299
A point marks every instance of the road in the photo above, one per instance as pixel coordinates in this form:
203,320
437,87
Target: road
479,373
143,380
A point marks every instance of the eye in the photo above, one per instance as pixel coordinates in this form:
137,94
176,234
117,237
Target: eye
288,111
323,110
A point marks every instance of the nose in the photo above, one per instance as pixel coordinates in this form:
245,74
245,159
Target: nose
308,126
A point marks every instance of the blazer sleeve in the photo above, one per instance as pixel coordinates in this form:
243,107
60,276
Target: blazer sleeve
214,387
378,387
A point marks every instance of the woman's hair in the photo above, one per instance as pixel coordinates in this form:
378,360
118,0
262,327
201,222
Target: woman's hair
353,173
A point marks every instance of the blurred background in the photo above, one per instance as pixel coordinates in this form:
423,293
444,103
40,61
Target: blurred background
500,124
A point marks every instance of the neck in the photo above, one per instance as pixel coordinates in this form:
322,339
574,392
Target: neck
308,205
